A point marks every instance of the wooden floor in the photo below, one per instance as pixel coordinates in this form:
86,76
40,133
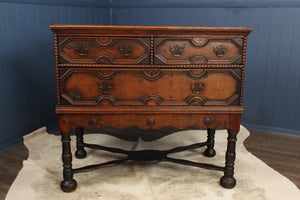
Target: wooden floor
280,152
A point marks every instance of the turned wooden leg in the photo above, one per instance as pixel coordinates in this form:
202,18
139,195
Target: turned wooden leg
68,184
228,181
210,152
80,152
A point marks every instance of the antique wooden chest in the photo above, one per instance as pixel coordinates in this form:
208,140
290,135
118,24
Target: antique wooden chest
148,77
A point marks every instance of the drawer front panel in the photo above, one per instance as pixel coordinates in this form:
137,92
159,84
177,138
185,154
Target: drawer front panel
104,50
198,51
150,87
163,122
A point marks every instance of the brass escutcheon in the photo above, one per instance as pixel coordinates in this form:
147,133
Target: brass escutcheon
126,49
220,50
197,87
81,49
177,50
105,87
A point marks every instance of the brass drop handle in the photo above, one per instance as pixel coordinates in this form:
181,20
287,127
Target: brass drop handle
105,87
220,50
177,50
125,49
197,87
81,48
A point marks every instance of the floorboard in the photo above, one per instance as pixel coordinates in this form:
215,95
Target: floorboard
281,152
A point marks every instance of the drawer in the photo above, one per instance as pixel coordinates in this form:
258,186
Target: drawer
200,50
163,122
148,87
104,50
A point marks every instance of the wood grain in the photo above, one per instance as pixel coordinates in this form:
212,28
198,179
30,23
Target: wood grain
173,87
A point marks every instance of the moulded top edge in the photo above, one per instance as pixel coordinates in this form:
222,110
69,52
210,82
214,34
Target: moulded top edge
150,29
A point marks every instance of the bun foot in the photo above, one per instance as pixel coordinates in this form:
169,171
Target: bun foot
209,152
68,185
80,154
227,182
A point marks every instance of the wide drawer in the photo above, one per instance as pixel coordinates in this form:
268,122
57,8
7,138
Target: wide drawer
148,87
163,122
198,50
104,50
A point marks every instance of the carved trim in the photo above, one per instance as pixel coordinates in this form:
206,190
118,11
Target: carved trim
198,60
75,95
196,73
145,43
106,98
56,69
151,50
235,75
126,46
104,41
195,100
62,40
66,74
105,74
243,69
62,71
244,50
238,60
181,66
239,41
151,99
199,42
152,74
104,58
242,86
226,102
219,50
150,110
80,47
62,60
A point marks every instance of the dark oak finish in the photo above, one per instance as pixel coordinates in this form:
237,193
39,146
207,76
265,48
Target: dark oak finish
149,78
104,50
201,50
92,86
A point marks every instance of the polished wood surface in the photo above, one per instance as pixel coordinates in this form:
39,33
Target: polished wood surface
285,157
198,50
84,86
149,78
145,30
146,121
104,50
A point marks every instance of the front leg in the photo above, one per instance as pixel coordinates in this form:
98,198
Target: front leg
68,184
228,181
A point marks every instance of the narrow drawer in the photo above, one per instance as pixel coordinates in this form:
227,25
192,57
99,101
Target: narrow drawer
164,122
104,50
200,50
148,87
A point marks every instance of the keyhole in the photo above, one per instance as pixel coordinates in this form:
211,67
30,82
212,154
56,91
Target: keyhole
151,73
